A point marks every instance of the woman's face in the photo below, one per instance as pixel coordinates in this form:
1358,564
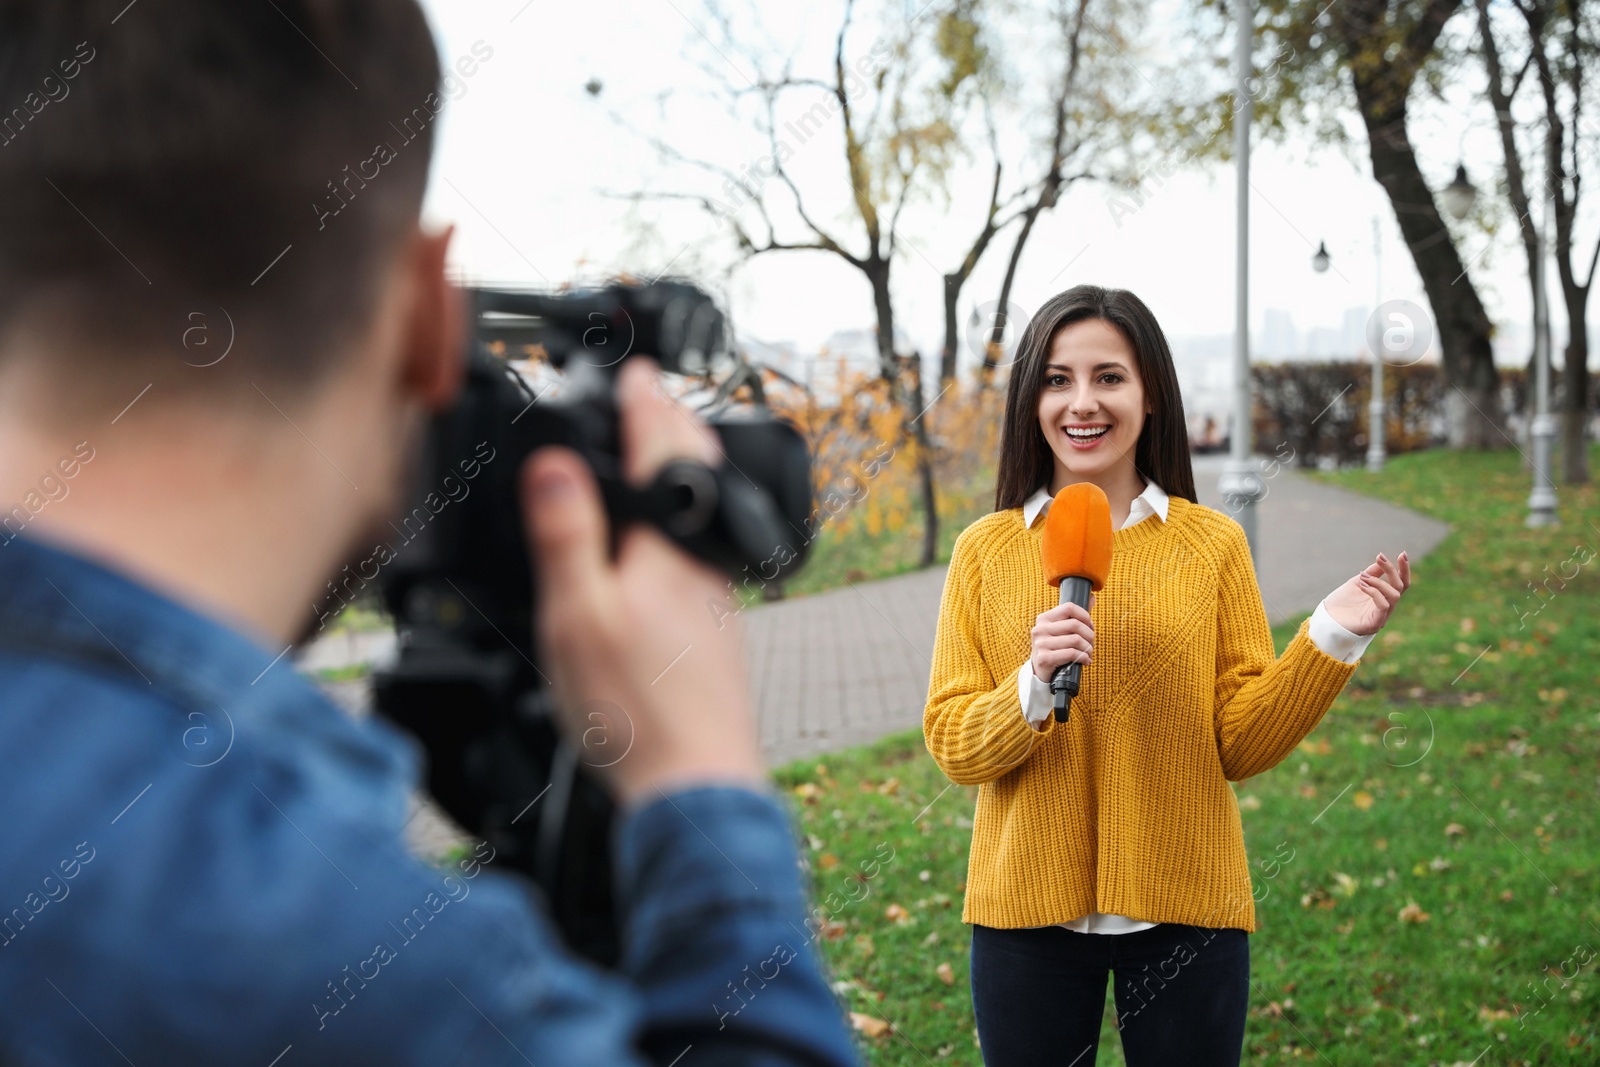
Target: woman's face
1092,403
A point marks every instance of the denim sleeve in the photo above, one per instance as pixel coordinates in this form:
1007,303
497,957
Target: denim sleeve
273,917
716,941
718,965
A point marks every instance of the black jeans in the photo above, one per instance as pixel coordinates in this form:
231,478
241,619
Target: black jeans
1181,994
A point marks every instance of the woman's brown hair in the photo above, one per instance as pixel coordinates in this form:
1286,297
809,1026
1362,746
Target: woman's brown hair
1162,453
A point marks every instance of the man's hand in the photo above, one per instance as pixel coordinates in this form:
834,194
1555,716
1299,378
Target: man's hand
640,633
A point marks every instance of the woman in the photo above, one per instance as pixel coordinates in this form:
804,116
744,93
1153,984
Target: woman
1110,844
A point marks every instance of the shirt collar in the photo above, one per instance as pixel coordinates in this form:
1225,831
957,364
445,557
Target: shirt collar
1153,501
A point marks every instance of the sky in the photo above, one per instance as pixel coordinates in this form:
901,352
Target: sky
533,172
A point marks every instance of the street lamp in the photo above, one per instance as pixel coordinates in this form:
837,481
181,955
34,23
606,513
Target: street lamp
1375,409
1241,484
1460,194
1542,501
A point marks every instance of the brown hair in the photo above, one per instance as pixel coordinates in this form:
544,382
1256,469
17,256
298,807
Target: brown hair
176,157
1162,453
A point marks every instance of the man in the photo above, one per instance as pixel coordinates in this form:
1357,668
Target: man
222,331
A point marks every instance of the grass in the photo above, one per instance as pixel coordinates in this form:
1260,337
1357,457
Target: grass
1438,906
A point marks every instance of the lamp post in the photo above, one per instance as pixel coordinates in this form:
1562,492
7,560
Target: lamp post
1542,501
1375,410
1241,484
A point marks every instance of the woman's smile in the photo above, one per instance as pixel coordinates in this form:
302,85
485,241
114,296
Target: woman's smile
1084,437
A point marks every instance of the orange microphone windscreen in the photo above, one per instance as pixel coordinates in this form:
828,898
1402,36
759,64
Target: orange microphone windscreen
1077,535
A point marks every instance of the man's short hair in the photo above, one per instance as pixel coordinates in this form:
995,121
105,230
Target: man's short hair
170,157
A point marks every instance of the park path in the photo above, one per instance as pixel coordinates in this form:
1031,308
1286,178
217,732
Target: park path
849,665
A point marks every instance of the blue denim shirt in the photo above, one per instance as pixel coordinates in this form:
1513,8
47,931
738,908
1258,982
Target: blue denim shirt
201,860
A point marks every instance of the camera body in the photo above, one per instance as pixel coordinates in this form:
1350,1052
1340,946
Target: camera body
463,592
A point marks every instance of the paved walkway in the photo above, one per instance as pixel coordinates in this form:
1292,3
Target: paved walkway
850,665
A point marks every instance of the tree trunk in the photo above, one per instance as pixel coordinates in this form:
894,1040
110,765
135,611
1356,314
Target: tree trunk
947,359
1001,316
877,272
1516,183
1472,405
1575,404
925,475
907,396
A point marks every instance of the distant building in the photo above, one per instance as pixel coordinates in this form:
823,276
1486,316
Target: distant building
1279,338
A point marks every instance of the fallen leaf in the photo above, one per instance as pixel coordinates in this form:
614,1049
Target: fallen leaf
1318,897
1411,913
1455,829
833,931
895,913
1362,800
1468,625
946,973
807,791
890,788
1505,896
869,1025
1250,803
827,861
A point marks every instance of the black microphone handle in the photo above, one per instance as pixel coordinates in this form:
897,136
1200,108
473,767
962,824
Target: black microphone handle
1064,684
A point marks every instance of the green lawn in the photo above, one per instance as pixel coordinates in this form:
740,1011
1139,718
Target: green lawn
1440,905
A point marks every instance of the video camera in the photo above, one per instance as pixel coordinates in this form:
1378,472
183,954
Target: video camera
463,593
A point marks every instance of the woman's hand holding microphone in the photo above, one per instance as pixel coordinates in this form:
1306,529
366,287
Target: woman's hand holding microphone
1062,635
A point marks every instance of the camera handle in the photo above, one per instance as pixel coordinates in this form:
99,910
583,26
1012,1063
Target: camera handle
714,513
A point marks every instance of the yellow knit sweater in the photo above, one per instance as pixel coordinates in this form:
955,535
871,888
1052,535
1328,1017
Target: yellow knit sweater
1125,808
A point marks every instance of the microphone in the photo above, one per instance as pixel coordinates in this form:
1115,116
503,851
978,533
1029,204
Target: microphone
1077,557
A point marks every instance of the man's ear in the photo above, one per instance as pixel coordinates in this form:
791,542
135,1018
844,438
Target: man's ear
434,354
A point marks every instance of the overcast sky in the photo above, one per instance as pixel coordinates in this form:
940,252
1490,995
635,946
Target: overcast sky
527,157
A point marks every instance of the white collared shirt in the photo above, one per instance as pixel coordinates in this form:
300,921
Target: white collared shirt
1034,696
1153,501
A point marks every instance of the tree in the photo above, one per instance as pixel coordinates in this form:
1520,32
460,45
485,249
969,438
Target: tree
1072,130
1077,121
1374,53
1559,52
1558,40
894,146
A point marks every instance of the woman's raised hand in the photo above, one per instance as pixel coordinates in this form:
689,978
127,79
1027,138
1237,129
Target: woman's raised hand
1062,635
1362,605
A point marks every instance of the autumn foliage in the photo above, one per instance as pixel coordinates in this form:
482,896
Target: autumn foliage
865,467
